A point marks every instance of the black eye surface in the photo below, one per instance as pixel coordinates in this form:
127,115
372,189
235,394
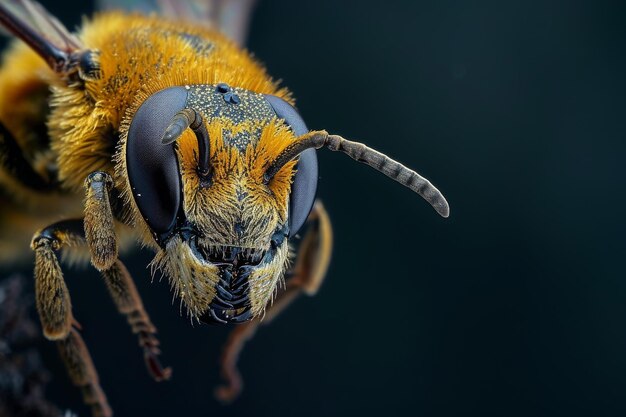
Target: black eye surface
152,167
305,181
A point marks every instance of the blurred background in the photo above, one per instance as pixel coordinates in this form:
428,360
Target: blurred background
514,306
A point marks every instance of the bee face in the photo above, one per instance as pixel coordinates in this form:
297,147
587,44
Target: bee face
222,231
235,220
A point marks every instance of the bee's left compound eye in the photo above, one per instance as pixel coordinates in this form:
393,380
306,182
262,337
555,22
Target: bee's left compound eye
153,170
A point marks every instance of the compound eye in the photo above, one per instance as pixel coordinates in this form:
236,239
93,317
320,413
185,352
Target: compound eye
305,181
153,170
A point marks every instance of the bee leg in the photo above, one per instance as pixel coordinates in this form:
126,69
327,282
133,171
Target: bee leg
99,224
128,302
307,276
83,373
55,311
314,253
12,160
102,242
119,284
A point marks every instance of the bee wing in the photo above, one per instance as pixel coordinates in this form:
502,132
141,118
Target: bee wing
230,17
31,23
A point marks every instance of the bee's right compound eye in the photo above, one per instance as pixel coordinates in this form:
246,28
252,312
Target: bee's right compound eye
304,183
153,170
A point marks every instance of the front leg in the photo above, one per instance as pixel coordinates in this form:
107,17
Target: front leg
99,222
55,311
83,373
99,226
306,277
128,302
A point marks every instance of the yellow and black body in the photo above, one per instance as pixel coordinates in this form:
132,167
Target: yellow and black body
167,133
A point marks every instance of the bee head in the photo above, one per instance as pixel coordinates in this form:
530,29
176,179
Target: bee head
222,225
223,178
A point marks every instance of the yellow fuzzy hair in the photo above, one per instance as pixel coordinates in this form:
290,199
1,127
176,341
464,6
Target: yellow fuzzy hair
24,86
228,163
23,107
138,56
214,210
137,60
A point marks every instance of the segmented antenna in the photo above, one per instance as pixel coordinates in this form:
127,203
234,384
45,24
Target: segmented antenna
361,153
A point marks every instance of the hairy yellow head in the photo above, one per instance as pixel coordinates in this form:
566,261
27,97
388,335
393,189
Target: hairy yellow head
236,251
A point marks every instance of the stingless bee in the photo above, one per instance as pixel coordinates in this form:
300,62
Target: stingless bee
167,132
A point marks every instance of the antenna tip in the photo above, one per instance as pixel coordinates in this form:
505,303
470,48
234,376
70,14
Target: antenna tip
442,208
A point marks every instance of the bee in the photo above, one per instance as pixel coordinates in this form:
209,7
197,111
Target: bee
164,132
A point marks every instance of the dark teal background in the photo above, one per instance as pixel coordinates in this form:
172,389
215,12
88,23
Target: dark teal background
514,306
